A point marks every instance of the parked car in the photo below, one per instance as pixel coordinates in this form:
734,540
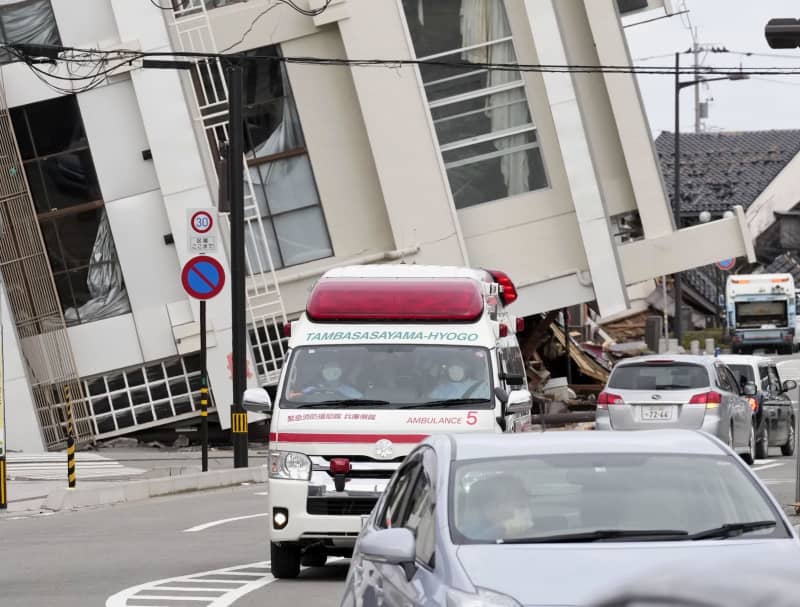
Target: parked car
692,392
509,520
774,415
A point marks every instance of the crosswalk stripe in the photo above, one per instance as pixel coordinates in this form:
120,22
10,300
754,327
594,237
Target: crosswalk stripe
52,466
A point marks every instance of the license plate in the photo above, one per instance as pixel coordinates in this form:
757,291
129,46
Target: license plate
661,414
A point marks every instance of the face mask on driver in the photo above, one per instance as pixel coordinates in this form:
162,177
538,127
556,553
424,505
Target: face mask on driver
331,373
455,373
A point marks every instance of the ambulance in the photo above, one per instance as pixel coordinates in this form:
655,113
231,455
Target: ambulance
382,357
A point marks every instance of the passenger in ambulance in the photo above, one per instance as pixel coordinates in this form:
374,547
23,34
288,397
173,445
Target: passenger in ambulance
328,381
466,377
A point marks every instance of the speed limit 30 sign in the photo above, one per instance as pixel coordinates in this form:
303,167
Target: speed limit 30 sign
202,231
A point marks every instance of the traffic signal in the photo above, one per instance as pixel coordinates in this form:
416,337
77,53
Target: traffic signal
783,33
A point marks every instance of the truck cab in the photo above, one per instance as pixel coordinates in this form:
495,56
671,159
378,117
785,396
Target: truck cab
382,357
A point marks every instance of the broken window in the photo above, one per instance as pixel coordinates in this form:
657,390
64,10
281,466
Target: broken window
486,134
27,22
66,194
285,217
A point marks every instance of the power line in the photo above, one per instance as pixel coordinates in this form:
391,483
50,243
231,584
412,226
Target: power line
124,58
250,28
302,11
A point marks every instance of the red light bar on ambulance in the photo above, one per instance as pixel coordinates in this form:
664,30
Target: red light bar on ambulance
509,291
414,299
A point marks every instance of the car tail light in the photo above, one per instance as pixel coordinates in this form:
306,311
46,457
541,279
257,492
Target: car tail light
287,329
710,399
607,398
340,465
520,325
503,330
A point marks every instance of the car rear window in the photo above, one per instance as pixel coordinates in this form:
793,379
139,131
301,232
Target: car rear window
659,376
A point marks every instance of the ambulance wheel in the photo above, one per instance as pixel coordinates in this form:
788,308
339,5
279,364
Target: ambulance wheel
285,560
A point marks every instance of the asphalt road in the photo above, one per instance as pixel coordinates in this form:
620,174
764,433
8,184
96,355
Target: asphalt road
141,554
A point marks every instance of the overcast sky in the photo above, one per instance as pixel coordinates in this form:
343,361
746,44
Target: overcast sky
738,25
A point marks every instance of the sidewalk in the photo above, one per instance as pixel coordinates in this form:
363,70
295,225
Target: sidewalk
154,468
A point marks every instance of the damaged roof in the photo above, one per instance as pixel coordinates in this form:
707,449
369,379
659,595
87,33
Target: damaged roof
788,263
720,170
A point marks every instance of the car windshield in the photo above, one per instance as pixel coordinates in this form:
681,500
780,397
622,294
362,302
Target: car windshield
524,498
659,376
743,373
399,375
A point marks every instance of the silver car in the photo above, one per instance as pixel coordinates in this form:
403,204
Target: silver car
691,392
558,518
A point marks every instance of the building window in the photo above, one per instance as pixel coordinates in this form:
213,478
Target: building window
148,395
284,214
27,22
486,134
66,194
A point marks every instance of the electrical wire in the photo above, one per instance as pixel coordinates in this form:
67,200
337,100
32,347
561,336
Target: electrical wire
163,8
122,58
302,11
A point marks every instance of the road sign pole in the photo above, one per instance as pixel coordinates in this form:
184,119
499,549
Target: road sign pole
203,386
71,478
238,301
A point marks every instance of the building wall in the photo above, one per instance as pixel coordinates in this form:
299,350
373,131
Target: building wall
22,427
780,195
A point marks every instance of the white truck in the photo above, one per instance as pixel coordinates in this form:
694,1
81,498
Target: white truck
761,312
383,356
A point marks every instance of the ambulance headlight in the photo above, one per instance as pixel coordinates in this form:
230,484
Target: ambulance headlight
289,465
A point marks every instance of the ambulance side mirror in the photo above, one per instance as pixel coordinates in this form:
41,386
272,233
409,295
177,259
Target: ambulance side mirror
519,401
257,400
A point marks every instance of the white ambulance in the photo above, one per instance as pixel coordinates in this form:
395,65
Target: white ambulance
383,356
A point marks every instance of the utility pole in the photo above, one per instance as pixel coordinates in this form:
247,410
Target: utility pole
696,52
677,325
238,302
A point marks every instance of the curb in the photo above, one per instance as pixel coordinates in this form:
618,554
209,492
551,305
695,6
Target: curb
132,491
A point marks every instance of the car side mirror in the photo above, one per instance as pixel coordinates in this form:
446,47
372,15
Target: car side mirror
750,389
393,547
519,401
257,400
513,380
501,395
789,384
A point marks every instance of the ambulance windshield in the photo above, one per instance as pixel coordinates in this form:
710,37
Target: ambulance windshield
388,375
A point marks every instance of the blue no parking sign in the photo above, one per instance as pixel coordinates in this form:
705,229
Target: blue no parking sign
203,277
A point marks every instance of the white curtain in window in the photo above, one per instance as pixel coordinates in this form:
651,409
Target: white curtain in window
285,181
287,176
108,294
484,21
28,21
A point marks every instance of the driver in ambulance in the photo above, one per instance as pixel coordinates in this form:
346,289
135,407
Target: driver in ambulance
328,380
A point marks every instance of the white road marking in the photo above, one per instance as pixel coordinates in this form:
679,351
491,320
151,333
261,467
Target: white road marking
758,462
223,521
53,466
768,466
160,589
227,591
262,493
